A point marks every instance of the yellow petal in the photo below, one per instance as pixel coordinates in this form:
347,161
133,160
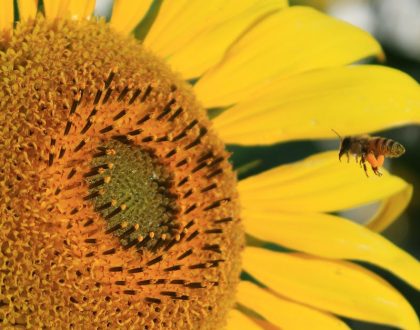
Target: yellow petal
283,313
81,8
237,321
351,100
291,41
27,8
320,183
56,8
127,14
194,35
69,8
6,15
390,209
331,237
342,288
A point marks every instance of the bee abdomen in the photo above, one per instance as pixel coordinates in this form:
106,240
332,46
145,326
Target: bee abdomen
389,144
387,147
395,149
380,145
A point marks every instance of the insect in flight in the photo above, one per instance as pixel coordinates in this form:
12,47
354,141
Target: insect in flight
371,149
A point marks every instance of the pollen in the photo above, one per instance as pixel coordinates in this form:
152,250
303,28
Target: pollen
118,204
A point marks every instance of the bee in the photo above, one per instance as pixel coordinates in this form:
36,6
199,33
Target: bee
371,149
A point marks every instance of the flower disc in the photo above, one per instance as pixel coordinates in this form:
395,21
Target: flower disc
118,204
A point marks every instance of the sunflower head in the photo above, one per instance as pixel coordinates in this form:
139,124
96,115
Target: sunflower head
116,193
119,207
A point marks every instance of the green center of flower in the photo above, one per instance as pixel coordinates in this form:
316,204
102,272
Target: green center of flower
129,188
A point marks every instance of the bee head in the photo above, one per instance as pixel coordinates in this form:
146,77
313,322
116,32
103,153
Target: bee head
344,146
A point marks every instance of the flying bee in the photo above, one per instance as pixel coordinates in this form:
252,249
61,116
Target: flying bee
371,149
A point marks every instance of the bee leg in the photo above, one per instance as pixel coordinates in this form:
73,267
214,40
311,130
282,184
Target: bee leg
362,162
348,157
376,171
357,158
380,159
373,163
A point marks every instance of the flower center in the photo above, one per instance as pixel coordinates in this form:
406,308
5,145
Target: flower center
117,183
130,189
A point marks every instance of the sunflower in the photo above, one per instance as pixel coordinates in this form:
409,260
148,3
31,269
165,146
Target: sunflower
119,206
